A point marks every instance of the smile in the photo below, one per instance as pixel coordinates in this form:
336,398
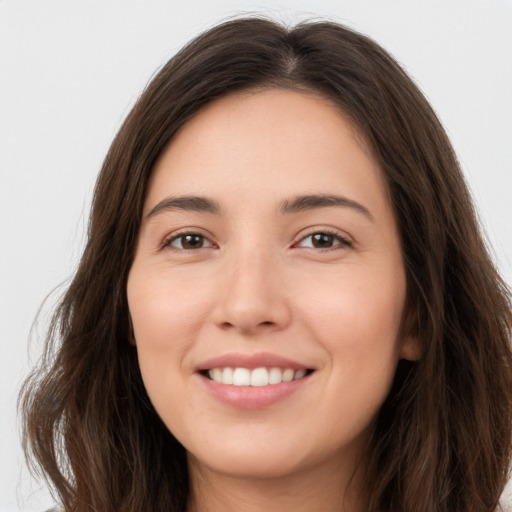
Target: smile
253,381
257,377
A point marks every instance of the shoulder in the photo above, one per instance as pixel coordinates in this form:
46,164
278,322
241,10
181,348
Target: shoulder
504,506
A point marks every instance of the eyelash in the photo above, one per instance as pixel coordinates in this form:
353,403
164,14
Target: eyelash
167,244
342,242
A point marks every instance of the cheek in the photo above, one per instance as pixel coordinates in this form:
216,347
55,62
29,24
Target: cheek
359,328
162,323
357,319
165,312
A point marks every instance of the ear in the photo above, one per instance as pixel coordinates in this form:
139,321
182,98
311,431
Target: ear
131,334
411,348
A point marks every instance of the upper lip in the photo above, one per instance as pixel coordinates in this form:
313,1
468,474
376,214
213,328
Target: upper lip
251,361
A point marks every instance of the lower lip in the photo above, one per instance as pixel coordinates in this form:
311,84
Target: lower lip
252,397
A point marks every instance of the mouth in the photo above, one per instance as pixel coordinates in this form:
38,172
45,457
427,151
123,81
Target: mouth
253,381
254,377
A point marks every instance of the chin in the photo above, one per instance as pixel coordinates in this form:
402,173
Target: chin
248,468
249,460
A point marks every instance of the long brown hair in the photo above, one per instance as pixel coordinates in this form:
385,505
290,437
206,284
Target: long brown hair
442,440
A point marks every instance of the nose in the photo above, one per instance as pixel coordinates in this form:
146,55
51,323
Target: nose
253,297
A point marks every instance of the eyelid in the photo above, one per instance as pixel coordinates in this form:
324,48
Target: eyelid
167,241
343,239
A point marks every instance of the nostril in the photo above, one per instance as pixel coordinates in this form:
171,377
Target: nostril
231,325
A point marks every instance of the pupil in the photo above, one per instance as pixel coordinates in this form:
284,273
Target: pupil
322,240
192,241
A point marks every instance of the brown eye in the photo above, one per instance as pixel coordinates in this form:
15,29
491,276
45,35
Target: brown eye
322,240
189,241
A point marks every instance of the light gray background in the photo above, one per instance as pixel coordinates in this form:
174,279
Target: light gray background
70,70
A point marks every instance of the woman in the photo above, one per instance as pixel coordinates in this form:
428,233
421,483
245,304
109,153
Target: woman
284,302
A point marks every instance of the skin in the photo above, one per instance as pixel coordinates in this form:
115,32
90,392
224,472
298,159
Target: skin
257,283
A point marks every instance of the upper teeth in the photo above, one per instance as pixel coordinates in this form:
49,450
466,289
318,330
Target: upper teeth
256,377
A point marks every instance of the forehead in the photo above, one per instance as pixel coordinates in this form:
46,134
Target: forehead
271,141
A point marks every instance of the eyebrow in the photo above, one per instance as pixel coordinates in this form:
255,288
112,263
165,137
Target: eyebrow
311,202
188,203
288,206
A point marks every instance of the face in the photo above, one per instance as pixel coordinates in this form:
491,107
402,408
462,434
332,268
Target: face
268,286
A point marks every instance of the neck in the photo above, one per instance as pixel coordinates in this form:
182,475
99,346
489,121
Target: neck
329,489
